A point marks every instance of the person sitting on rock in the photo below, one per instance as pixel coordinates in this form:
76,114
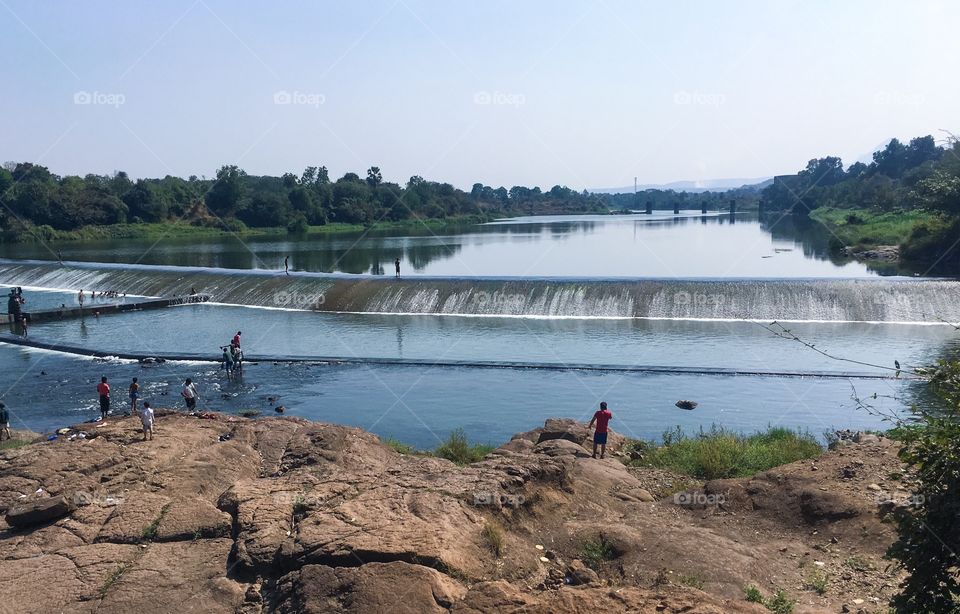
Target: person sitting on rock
601,418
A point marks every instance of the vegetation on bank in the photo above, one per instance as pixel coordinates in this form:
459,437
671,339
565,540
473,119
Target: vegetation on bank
36,204
456,448
866,229
928,533
13,444
35,201
909,195
721,453
214,228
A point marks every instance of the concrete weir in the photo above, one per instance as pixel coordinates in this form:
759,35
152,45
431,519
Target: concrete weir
47,315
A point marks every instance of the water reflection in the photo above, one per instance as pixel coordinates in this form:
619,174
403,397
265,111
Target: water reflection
737,245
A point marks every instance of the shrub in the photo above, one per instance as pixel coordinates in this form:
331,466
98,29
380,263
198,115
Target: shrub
929,536
398,446
596,550
457,449
719,453
493,536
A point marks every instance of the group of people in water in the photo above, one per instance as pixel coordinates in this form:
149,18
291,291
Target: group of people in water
232,358
94,295
144,412
15,304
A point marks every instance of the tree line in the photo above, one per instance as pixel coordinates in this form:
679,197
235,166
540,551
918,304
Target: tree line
918,175
32,196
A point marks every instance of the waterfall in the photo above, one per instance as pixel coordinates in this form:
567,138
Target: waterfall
863,300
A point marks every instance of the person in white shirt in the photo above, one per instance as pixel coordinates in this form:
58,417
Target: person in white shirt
189,394
146,418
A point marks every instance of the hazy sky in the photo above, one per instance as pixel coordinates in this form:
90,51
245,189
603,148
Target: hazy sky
586,94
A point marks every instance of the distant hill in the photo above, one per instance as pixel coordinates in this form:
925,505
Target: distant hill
696,186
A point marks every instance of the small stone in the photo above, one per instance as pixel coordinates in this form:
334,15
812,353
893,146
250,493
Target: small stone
857,602
873,487
544,559
539,547
578,573
819,563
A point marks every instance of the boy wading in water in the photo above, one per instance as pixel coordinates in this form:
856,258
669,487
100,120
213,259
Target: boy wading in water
601,418
146,419
189,394
134,395
103,389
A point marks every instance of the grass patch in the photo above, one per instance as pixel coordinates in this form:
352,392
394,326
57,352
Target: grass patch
13,444
861,227
493,537
719,453
457,449
753,594
692,580
300,506
818,582
111,579
398,446
857,563
596,550
150,531
780,603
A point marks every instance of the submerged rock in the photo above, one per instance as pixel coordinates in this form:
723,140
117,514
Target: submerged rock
685,404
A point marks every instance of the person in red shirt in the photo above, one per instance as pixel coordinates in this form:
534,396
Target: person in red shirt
601,418
103,389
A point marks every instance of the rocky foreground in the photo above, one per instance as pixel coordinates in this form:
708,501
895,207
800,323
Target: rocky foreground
284,515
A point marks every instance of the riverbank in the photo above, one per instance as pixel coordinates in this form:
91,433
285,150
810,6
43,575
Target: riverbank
917,239
187,230
228,514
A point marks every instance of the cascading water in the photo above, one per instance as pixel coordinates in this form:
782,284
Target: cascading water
863,300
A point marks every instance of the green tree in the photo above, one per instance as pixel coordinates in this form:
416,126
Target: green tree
929,537
224,197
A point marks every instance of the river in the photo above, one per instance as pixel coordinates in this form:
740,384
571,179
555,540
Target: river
520,320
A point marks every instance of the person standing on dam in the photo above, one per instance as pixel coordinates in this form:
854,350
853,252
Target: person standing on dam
286,264
80,297
396,265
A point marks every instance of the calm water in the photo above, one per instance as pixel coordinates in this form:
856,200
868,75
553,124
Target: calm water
420,404
660,245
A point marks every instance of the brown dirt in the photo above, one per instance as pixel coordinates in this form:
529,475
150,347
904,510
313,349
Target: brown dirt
286,515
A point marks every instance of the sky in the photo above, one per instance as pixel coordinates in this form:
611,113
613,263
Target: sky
585,94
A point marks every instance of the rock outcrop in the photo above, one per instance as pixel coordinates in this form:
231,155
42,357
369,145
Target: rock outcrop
228,514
